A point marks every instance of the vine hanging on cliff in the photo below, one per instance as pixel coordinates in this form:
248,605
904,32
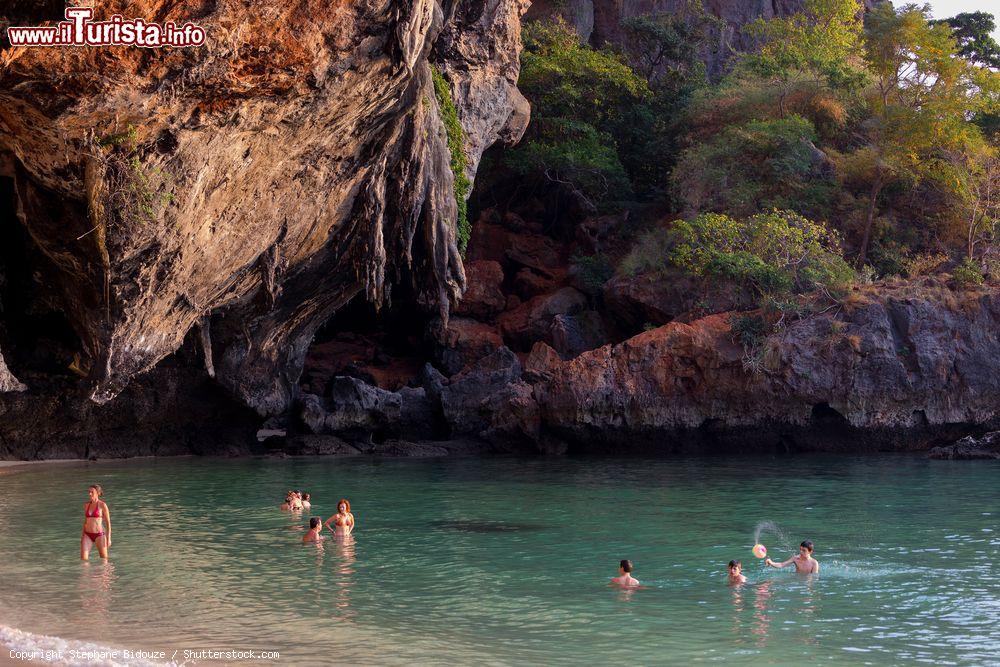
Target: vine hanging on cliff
456,139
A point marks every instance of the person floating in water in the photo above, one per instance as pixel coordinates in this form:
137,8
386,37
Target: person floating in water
736,572
315,526
95,514
343,520
803,561
625,578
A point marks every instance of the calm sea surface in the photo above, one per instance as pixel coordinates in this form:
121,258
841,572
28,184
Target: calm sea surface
505,561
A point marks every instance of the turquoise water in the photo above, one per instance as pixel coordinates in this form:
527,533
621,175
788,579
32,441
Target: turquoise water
505,561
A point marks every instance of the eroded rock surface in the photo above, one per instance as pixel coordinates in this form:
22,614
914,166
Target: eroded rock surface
254,185
970,447
906,361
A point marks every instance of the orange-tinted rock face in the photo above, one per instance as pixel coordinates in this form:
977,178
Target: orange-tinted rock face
902,361
256,183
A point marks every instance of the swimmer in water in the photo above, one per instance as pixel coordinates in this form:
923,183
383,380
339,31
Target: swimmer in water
292,502
625,578
736,573
803,561
305,501
315,526
343,520
95,514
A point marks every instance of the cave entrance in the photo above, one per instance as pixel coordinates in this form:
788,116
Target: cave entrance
385,348
35,336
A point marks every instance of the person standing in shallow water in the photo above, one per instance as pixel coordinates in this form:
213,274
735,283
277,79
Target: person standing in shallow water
95,514
343,520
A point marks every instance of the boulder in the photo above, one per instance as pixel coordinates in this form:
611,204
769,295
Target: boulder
532,321
970,447
319,445
528,283
572,335
467,341
483,298
352,406
490,401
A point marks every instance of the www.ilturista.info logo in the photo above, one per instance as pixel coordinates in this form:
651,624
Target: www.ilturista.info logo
79,30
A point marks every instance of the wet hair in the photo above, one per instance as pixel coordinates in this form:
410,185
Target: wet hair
346,503
734,563
97,487
313,522
305,496
807,544
626,565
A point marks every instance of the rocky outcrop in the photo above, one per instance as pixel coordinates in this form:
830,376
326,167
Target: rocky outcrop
490,401
466,342
253,186
483,297
901,364
533,321
7,380
970,448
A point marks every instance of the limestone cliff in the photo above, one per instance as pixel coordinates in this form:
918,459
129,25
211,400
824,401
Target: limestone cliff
900,366
250,187
600,21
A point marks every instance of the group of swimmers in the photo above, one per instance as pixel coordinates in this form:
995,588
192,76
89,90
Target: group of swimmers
340,524
803,561
96,515
296,501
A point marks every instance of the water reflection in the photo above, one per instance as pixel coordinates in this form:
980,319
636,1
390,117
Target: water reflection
345,571
95,585
739,607
761,618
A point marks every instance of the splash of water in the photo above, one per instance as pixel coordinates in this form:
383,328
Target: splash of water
772,529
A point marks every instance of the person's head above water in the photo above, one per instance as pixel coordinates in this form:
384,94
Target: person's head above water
625,566
344,506
305,496
806,548
735,564
315,522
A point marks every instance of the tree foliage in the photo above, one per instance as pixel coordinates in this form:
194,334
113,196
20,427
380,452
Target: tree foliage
973,35
777,253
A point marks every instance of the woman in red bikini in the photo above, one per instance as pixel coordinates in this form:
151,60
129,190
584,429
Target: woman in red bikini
95,513
343,520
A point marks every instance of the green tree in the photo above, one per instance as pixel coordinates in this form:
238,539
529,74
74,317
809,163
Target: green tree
580,99
666,48
822,40
916,110
777,253
757,165
973,34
